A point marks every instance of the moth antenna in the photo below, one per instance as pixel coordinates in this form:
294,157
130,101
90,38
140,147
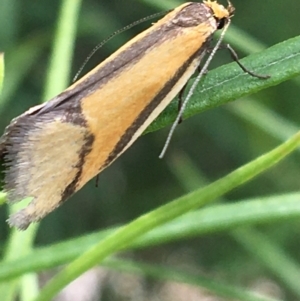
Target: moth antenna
192,90
100,45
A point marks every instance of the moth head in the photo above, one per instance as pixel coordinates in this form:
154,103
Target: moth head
221,14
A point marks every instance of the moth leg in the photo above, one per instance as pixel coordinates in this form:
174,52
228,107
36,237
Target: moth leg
235,57
181,92
180,101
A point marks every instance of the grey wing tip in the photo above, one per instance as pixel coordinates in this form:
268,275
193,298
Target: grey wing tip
21,220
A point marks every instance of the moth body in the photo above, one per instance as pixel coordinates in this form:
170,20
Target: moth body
54,149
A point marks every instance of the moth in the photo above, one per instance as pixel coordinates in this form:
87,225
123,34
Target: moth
52,150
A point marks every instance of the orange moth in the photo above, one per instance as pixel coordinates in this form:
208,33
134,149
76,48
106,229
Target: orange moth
52,150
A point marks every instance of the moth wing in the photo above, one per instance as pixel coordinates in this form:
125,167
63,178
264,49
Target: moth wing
43,156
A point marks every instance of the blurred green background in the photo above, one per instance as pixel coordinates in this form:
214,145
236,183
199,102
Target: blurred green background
213,143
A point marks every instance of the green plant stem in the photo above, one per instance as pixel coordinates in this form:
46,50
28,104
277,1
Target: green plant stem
56,81
19,244
60,64
257,244
193,224
2,197
128,234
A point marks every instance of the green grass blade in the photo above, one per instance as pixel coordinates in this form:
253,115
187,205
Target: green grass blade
56,81
9,22
126,235
270,255
242,40
18,245
2,198
18,64
229,82
63,47
194,224
267,120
